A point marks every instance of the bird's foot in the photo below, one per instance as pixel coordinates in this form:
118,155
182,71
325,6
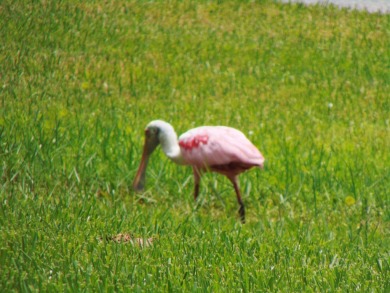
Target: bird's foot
242,214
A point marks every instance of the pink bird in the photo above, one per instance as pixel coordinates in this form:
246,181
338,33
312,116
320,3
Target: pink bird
220,149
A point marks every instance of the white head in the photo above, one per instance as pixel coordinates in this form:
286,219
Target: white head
156,132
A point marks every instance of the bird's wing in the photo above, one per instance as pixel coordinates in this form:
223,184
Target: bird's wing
218,145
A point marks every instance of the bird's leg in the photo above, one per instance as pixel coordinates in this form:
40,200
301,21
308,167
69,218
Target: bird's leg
239,199
196,182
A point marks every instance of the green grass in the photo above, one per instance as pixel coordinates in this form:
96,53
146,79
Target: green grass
308,85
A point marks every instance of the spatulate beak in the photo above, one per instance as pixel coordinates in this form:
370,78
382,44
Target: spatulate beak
139,180
150,145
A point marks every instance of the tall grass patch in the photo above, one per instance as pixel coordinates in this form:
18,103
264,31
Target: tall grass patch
309,86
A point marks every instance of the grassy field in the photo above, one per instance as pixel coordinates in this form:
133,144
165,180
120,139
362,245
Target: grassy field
79,80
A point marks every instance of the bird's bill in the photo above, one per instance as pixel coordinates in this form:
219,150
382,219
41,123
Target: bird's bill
139,180
150,145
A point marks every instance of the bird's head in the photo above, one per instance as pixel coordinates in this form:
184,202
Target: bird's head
151,139
155,133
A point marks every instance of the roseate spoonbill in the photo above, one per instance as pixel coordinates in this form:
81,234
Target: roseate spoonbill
218,149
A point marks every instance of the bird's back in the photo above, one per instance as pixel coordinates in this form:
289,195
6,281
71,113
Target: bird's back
208,146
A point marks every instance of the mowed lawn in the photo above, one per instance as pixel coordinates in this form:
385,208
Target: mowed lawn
309,86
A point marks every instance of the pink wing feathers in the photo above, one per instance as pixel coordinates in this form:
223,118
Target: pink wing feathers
208,146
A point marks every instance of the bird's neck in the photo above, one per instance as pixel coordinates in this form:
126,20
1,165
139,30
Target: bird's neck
170,147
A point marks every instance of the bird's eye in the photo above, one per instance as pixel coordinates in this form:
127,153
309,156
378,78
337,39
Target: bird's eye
152,131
